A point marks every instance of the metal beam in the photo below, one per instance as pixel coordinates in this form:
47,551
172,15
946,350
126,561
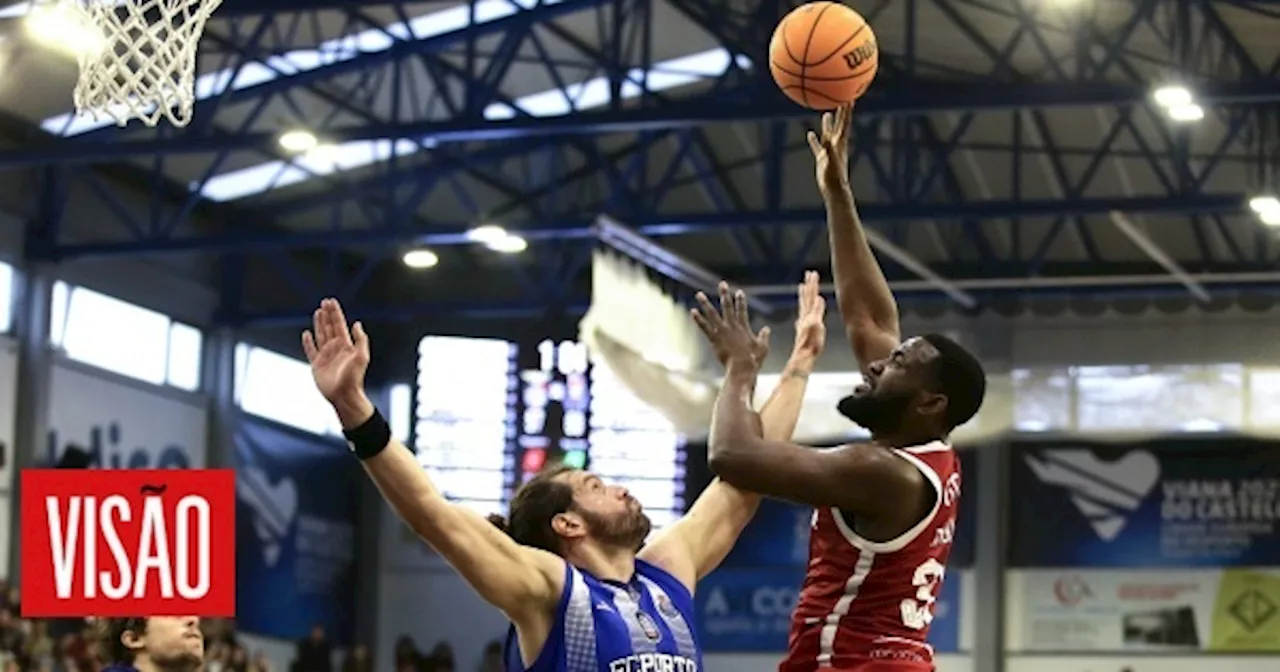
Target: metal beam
1151,249
765,104
654,224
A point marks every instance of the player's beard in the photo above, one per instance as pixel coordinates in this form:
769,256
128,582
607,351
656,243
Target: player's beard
881,413
178,661
627,530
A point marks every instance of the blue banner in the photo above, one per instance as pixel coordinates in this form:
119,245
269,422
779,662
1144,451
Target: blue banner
777,537
747,610
944,632
962,546
296,514
1180,502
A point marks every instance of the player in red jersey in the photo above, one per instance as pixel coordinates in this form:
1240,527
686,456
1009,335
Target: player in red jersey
886,509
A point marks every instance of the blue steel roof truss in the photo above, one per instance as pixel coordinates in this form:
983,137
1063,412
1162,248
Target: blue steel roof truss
565,174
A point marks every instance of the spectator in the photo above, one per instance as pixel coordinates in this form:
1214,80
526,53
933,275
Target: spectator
260,663
238,661
357,660
441,658
314,654
491,659
407,656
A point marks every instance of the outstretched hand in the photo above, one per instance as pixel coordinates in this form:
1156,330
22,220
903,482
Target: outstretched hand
729,329
811,324
339,355
831,149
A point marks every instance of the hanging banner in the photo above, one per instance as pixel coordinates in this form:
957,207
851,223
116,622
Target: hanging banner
296,514
1177,502
1227,611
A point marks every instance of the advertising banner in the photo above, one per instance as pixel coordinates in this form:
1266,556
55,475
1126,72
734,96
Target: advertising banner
1180,502
296,498
1226,611
747,610
122,424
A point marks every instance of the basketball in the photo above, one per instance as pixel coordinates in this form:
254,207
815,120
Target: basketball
823,55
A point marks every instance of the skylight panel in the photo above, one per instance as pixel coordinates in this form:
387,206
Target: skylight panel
581,96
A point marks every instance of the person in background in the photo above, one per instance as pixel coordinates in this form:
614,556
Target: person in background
260,663
441,659
41,646
151,644
491,659
357,660
314,654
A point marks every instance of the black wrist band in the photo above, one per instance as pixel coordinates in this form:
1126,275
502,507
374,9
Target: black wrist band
370,438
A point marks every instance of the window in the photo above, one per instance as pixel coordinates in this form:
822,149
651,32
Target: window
1041,399
6,297
464,418
1264,397
401,411
124,338
1198,397
279,388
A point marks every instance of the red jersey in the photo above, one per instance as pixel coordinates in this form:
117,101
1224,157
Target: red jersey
867,605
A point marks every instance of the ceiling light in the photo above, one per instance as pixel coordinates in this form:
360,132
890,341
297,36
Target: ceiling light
1270,217
420,258
1186,112
298,141
1264,204
487,234
508,244
65,29
1172,96
324,154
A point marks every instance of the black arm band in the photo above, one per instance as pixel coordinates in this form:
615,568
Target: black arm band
370,438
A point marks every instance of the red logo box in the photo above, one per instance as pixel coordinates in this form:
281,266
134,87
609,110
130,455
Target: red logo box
106,542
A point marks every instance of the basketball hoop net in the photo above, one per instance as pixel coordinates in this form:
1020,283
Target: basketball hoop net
138,58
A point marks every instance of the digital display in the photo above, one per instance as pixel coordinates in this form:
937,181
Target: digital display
555,403
465,416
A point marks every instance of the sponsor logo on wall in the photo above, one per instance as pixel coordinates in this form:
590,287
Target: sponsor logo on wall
297,496
121,425
1166,503
1107,611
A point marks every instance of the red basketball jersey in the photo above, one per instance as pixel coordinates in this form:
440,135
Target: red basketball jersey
867,605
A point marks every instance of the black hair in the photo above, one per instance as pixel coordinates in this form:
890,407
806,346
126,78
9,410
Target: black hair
959,376
534,506
110,633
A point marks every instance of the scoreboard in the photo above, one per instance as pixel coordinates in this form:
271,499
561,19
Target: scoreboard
492,414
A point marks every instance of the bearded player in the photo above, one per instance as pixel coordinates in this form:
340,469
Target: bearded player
885,510
151,644
582,588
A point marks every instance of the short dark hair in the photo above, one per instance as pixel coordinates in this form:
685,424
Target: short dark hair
534,506
959,376
110,632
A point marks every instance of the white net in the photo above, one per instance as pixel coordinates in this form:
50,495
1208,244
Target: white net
137,57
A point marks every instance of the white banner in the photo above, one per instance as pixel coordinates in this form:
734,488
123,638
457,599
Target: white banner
123,422
1232,610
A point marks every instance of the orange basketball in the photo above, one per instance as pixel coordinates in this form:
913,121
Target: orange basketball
823,55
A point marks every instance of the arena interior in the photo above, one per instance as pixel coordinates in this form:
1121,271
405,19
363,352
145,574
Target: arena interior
519,198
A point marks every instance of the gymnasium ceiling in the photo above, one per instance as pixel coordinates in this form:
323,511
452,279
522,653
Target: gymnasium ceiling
1008,149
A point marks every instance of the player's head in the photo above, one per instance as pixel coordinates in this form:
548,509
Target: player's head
153,643
929,383
562,508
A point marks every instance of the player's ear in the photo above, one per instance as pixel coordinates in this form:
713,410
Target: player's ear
932,404
569,525
131,639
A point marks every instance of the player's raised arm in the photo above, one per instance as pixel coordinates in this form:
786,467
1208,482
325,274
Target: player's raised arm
517,579
864,478
862,294
695,545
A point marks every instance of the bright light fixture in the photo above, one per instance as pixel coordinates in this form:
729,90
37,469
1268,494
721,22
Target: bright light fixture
298,141
420,258
325,154
63,28
1186,113
487,234
1270,217
508,244
1264,204
1173,96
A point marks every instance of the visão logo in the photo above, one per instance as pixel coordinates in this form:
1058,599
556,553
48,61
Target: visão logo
1106,493
128,542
